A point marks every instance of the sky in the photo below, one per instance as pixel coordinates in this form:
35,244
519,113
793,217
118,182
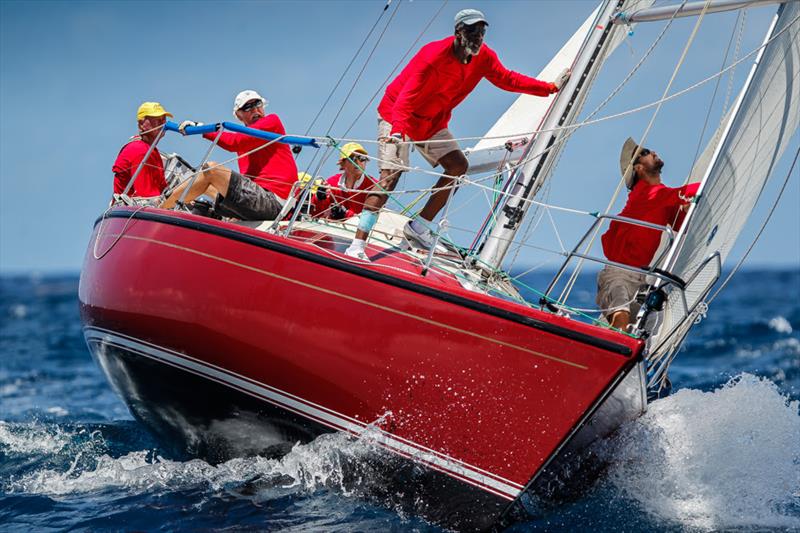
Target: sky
72,75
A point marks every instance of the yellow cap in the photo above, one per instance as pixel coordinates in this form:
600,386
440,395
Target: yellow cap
151,109
305,177
348,149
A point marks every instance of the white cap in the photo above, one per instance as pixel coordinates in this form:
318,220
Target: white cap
244,97
469,17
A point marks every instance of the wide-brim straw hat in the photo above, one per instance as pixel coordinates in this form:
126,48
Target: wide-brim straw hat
629,150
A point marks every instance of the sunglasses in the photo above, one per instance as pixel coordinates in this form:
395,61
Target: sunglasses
358,158
252,104
474,30
643,153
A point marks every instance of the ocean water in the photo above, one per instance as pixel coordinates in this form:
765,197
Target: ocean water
721,453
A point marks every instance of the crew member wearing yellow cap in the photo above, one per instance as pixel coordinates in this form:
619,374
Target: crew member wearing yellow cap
150,181
347,191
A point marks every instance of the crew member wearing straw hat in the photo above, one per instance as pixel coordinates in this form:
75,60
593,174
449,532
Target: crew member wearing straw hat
150,182
649,200
417,106
347,191
267,169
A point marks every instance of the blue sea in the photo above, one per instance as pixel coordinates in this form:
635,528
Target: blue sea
721,453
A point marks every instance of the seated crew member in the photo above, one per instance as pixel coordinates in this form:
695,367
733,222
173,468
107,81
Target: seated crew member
649,200
266,175
347,191
150,182
417,106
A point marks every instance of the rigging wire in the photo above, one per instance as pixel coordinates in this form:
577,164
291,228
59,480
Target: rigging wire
347,68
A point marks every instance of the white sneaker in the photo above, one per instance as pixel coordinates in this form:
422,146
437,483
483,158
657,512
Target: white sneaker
357,253
422,240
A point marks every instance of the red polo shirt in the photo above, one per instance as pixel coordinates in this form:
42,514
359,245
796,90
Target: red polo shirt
272,168
635,245
150,181
352,199
420,100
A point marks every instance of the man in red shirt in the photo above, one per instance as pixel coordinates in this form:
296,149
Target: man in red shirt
417,106
150,182
267,170
347,191
651,201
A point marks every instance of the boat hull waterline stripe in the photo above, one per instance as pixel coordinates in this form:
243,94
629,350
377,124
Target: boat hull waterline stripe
473,475
584,338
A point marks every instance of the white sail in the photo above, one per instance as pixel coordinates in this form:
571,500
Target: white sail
763,126
527,112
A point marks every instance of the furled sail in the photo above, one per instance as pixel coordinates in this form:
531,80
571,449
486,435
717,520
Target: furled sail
762,125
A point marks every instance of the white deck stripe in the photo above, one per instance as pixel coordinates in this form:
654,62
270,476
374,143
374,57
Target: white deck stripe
473,475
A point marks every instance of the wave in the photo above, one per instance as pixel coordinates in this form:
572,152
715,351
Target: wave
714,460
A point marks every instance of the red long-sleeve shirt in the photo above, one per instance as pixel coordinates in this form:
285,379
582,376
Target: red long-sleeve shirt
420,100
150,181
351,200
272,168
635,245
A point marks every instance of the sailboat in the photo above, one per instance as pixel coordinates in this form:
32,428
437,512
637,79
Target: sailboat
475,397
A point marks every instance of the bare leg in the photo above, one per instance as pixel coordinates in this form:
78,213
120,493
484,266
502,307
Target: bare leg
211,182
454,164
375,200
620,320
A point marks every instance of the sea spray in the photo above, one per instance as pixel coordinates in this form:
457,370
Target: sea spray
714,460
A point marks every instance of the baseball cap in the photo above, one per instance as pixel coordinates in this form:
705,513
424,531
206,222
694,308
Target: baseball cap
348,149
469,16
244,97
151,109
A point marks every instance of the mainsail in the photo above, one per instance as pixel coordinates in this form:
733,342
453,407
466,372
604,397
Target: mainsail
762,124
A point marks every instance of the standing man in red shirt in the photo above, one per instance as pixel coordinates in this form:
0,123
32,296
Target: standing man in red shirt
150,182
651,201
417,106
267,170
347,191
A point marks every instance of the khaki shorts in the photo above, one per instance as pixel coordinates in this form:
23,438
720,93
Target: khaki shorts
395,157
616,290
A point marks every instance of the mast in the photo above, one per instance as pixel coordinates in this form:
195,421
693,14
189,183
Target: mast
540,155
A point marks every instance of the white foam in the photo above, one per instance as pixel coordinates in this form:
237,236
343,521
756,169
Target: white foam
719,460
780,324
305,467
32,438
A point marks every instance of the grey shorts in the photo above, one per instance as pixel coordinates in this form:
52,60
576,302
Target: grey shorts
247,201
617,288
394,157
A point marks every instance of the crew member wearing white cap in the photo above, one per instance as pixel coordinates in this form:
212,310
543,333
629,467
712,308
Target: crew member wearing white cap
267,170
417,106
651,201
150,182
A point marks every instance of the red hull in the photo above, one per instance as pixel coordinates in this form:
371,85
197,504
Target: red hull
482,389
